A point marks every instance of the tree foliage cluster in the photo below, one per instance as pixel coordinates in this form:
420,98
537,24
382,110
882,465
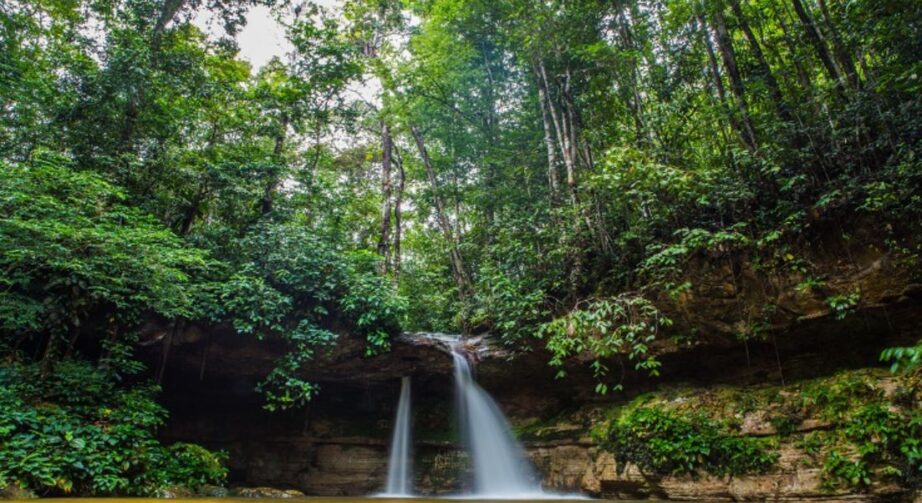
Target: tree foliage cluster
152,176
571,154
99,440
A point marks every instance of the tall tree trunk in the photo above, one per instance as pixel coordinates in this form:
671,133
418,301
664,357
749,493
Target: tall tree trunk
842,53
563,138
192,211
398,201
568,128
802,77
168,11
274,178
457,263
634,102
816,38
774,90
47,362
565,128
489,129
552,177
728,56
718,79
384,241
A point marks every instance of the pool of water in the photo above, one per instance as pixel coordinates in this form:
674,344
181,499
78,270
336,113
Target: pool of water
308,499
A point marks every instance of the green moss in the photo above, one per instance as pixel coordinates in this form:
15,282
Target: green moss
566,424
884,439
873,434
785,425
832,398
668,442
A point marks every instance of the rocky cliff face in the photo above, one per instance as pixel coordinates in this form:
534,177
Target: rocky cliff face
338,445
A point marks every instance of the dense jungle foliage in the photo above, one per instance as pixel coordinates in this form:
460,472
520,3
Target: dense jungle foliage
539,170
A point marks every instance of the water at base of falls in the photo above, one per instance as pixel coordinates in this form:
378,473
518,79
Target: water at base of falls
399,468
500,468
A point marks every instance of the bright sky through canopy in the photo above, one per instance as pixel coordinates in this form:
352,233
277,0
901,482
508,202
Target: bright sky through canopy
263,37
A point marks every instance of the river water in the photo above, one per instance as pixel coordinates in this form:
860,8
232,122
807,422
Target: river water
309,499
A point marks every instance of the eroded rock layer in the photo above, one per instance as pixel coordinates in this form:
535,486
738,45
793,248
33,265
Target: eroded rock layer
338,444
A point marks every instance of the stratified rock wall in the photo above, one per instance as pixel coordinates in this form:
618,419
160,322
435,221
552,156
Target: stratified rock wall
338,445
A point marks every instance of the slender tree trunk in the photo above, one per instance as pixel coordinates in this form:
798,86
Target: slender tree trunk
168,11
565,128
816,38
842,54
728,55
72,342
774,90
489,129
718,79
47,364
568,128
552,178
398,201
384,242
802,77
272,183
634,102
457,263
563,138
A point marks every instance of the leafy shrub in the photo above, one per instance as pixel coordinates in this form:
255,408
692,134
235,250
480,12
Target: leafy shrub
843,304
665,442
75,431
606,328
187,465
903,359
71,246
371,303
509,303
883,438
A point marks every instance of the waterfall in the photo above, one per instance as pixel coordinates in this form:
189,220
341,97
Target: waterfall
500,467
399,467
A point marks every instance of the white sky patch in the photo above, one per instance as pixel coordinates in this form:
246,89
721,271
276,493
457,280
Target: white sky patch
263,37
260,40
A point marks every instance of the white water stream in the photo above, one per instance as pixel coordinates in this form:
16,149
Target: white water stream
399,468
501,469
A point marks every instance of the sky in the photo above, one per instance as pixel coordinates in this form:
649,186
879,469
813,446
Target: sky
262,38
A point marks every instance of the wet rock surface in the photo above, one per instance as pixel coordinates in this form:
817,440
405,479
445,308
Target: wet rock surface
265,492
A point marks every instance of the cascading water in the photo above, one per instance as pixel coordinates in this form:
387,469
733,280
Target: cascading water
399,469
500,467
